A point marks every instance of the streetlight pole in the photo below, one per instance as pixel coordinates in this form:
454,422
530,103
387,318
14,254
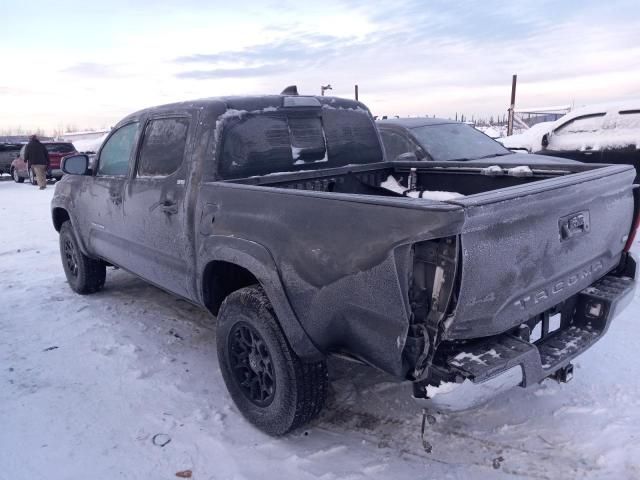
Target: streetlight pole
325,87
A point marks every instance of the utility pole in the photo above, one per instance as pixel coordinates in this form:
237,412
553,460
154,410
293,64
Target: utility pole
356,91
325,87
512,105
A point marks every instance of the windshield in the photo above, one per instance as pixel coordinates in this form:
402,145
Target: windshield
456,141
285,141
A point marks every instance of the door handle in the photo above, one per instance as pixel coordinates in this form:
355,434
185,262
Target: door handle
169,207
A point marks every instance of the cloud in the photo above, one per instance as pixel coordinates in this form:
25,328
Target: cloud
241,72
407,56
294,53
90,69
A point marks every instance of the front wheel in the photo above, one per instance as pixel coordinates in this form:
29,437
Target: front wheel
84,274
16,177
273,388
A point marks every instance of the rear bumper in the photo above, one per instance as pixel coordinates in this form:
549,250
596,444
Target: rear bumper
54,173
492,365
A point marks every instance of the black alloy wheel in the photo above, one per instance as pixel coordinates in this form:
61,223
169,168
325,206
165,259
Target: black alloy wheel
251,364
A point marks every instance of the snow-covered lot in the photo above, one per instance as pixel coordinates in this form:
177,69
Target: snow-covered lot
87,384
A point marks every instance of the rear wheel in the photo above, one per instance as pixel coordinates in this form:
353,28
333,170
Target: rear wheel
84,274
273,388
32,177
16,178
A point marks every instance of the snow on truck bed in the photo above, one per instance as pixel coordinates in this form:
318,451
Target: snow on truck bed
88,383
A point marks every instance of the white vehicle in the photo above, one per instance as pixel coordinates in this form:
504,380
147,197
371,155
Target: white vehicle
604,133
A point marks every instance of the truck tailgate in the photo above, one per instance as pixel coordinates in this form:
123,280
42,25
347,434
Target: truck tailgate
527,248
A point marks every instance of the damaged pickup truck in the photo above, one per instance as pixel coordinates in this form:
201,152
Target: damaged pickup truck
279,215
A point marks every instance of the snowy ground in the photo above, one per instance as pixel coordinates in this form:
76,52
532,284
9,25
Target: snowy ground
86,382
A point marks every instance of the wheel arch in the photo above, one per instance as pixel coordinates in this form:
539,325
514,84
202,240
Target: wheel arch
59,215
230,268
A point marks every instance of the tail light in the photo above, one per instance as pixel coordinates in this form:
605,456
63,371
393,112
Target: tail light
632,233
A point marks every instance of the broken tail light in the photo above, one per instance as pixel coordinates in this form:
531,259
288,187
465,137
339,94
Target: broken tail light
632,233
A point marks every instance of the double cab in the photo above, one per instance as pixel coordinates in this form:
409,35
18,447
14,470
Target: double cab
280,215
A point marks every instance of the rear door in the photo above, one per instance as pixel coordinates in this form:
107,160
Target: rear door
154,203
526,248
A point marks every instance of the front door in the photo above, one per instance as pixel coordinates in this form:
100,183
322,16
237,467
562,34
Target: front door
154,204
103,197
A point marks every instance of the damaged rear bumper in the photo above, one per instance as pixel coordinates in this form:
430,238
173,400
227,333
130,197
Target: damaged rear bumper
486,367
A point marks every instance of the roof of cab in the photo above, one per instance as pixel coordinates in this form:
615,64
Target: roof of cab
248,103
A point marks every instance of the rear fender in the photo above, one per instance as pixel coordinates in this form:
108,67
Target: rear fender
256,259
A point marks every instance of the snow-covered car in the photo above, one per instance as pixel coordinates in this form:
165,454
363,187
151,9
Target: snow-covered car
279,215
604,133
441,140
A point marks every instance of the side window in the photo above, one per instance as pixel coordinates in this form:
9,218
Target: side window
163,146
584,124
395,145
115,154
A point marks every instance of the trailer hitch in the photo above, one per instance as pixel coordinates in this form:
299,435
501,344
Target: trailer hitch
564,375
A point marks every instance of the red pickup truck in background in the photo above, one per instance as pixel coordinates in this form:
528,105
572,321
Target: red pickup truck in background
57,150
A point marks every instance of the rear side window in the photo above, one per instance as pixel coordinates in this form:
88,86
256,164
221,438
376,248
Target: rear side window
163,146
116,152
584,124
629,119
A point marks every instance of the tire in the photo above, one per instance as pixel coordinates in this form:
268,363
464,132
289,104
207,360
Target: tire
85,275
286,392
16,177
32,177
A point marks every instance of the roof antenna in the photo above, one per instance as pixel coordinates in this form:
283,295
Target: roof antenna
290,90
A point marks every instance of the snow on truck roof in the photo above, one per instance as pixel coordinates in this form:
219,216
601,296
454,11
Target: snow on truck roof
251,103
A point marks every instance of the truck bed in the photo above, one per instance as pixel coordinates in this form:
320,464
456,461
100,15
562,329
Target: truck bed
514,247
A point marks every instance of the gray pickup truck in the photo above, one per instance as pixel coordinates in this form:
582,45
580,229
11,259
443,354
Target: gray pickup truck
279,215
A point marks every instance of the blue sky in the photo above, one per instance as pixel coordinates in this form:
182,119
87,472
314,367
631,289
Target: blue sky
89,64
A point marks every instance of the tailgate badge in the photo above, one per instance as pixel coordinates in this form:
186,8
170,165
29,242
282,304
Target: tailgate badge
574,224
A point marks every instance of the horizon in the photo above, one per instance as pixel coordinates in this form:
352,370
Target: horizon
105,61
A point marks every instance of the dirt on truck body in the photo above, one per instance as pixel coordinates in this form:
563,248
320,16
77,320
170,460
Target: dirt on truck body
280,215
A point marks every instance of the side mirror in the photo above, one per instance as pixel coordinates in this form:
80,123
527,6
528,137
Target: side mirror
545,140
406,157
75,164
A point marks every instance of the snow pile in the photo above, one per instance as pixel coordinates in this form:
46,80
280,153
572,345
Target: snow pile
91,145
493,131
393,185
93,386
529,140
